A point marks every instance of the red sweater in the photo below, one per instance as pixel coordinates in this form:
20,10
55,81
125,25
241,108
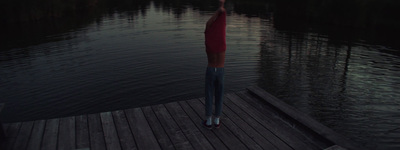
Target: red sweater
215,35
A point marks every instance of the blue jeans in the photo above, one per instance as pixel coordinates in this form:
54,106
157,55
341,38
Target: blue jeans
214,85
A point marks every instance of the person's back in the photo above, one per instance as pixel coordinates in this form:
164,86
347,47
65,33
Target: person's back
215,40
215,49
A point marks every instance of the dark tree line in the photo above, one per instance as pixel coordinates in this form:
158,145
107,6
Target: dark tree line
354,13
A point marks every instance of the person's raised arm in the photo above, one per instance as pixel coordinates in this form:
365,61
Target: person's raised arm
215,15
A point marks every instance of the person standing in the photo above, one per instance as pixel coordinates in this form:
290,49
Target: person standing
214,82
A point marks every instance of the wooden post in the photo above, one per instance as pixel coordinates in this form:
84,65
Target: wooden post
2,135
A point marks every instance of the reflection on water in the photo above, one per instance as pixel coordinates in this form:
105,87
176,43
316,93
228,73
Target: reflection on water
137,53
348,86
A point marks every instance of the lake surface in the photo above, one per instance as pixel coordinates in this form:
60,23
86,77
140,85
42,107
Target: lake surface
155,53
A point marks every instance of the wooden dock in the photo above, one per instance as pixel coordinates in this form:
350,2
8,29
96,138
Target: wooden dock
252,119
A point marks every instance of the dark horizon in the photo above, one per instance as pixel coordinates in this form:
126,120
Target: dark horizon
380,18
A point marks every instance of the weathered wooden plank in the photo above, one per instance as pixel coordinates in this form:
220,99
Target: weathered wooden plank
247,127
257,126
335,147
96,135
50,134
237,131
37,135
226,136
188,128
171,128
23,136
197,120
12,133
110,133
226,122
305,120
158,130
275,128
141,130
82,132
5,128
274,116
3,139
2,128
66,136
124,132
2,132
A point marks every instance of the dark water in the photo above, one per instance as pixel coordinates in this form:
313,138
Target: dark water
153,52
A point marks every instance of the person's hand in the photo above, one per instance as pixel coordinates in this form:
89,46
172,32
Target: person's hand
221,9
